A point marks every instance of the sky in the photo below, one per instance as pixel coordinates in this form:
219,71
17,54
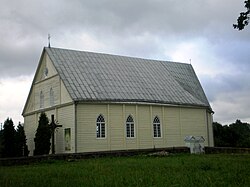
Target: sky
190,31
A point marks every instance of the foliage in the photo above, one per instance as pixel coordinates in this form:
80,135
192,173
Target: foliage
13,142
21,146
235,135
173,170
243,18
1,143
8,139
42,137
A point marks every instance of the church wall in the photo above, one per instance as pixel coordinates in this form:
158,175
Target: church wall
193,122
210,129
63,113
63,116
176,123
31,104
130,143
51,69
43,65
86,128
66,117
30,126
116,125
159,112
44,82
45,87
144,126
172,126
61,95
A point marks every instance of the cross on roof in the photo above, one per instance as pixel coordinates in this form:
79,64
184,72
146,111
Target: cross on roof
49,40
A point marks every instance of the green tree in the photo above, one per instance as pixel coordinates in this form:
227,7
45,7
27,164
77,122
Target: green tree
240,133
1,142
235,135
218,135
42,137
243,18
8,139
21,146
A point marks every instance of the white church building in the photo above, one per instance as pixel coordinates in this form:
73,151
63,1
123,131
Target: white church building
107,102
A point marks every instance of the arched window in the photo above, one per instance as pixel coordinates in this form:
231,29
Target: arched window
130,127
41,100
100,127
51,97
157,127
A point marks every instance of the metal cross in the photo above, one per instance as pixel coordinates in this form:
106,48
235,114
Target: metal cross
49,40
53,127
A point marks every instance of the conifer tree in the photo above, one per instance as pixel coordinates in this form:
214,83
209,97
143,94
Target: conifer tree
8,139
42,137
1,143
21,146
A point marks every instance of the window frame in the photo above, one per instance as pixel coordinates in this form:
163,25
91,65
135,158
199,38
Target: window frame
41,100
100,127
52,97
130,127
157,132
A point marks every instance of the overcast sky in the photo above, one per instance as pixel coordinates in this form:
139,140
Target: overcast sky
172,30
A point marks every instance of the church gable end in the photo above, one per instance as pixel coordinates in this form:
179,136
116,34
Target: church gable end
45,69
46,84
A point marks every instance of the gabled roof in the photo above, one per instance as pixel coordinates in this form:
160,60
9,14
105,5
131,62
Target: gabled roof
92,76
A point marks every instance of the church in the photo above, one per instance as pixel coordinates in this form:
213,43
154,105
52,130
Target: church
108,102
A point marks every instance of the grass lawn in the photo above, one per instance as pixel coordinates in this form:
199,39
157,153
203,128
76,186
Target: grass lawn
174,170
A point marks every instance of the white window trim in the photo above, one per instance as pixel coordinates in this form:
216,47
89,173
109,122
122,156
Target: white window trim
130,127
105,129
158,123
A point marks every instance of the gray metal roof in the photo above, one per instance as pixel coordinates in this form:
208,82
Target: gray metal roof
92,76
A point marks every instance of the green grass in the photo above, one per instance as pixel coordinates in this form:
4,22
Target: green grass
174,170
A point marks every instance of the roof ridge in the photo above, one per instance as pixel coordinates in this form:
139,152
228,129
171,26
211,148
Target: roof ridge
116,55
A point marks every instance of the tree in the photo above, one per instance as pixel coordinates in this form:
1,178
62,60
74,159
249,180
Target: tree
241,134
243,18
21,146
1,142
235,135
8,139
42,137
218,135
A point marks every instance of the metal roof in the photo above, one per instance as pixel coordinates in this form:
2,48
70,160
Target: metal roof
92,76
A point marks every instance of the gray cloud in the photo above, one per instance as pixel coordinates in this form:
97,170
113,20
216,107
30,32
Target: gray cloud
224,84
143,28
229,96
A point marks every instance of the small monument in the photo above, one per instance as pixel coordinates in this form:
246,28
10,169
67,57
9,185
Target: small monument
195,143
